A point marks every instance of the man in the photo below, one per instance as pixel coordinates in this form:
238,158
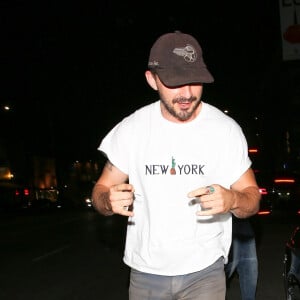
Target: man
178,168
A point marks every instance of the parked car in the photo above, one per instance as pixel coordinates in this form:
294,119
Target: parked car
45,199
14,197
280,194
285,194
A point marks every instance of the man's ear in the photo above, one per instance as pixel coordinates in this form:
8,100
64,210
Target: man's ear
151,79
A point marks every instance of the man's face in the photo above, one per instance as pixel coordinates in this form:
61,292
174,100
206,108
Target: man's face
179,104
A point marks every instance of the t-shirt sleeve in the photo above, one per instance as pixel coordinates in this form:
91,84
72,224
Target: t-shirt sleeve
238,153
116,145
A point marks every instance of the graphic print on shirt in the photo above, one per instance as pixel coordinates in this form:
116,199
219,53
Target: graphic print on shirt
174,169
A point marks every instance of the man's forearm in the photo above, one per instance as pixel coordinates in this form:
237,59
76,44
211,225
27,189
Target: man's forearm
246,203
100,200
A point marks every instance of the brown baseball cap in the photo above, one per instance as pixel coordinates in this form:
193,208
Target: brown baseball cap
177,60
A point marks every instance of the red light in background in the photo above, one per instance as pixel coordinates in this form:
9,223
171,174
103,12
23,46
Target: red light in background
24,192
284,180
253,150
264,212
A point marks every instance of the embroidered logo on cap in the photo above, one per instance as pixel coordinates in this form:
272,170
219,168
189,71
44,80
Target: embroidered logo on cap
188,52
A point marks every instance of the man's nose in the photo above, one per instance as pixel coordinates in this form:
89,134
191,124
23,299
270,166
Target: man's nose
186,91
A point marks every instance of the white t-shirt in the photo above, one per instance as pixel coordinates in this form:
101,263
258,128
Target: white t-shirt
164,161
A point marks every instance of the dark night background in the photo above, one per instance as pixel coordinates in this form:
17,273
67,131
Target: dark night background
70,70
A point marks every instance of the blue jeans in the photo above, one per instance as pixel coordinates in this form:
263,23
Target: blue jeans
244,261
295,265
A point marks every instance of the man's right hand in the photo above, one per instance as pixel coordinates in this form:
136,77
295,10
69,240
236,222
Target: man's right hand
120,198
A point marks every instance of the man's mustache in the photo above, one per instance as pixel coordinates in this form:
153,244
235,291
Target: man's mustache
183,100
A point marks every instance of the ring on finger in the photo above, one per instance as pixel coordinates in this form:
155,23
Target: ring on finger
211,189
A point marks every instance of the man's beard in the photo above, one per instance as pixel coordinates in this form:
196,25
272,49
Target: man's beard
182,115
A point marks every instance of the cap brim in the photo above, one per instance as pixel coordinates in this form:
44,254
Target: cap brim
173,78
